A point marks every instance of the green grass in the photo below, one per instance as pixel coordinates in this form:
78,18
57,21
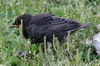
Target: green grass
70,53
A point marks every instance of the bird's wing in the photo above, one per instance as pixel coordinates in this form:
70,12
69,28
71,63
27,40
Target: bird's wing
55,24
61,24
52,26
44,19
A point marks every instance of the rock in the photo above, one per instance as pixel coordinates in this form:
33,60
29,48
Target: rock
96,43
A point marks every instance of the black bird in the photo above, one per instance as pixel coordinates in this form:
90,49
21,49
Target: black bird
38,26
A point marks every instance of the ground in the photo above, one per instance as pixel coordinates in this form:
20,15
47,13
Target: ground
72,52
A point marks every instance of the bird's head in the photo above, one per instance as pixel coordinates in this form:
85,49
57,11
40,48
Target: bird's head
25,19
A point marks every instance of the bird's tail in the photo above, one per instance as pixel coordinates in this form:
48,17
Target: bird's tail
82,26
85,25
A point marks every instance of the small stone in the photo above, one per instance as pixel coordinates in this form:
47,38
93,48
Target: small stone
22,53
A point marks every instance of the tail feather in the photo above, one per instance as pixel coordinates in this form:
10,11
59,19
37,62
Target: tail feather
82,26
85,25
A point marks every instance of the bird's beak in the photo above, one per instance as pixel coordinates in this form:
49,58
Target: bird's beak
12,26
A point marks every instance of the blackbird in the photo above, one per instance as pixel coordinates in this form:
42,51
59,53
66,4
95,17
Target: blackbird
38,26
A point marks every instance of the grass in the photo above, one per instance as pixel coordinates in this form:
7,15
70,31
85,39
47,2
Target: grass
70,53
